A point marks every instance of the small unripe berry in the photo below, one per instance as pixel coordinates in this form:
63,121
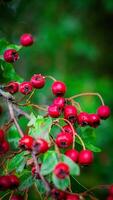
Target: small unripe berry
57,194
61,170
54,111
4,183
103,112
1,136
16,197
72,154
72,197
85,157
64,140
40,146
83,119
94,120
12,87
58,88
26,142
70,113
26,39
68,129
60,102
4,147
25,88
14,181
11,55
37,81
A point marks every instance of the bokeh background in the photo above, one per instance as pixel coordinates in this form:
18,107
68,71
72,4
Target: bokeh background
73,43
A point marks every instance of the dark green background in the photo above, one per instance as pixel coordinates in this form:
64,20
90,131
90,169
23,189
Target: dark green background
74,43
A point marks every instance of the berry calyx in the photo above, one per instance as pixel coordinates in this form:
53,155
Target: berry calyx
11,55
57,194
14,181
61,170
72,154
1,135
70,113
68,129
40,146
37,81
25,88
94,120
83,119
4,183
64,140
58,88
103,112
16,197
26,142
54,111
60,102
26,39
85,157
12,87
72,197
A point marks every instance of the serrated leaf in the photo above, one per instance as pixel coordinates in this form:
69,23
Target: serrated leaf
40,186
13,137
26,180
49,161
61,184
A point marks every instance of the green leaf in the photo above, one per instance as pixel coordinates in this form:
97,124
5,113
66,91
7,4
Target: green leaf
3,45
33,120
13,137
40,186
49,161
93,148
14,46
61,184
26,180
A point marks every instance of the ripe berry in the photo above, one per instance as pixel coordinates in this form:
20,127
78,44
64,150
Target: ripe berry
57,194
94,120
37,81
40,146
16,197
58,88
72,197
60,102
26,39
1,135
110,197
103,112
68,129
12,87
85,157
26,142
11,55
61,170
54,111
37,176
70,113
83,119
64,140
25,88
111,189
4,183
72,154
4,147
14,181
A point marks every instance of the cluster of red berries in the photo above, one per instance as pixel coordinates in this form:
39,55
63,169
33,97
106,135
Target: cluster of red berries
62,195
9,182
4,145
16,197
110,190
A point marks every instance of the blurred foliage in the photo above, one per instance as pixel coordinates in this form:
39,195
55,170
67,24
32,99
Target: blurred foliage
74,44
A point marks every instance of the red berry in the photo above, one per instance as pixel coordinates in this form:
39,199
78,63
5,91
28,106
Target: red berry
64,140
72,154
60,102
37,176
111,189
54,111
110,197
1,135
11,55
72,197
85,157
83,119
70,113
94,120
57,194
4,147
14,181
26,142
103,112
58,88
40,146
4,183
25,88
17,197
37,81
26,39
61,170
12,87
68,129
1,109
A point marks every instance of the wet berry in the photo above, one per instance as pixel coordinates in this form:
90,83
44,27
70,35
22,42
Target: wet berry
4,147
40,146
14,181
54,111
60,102
103,112
64,140
94,120
12,87
72,154
85,157
58,88
25,88
37,81
11,55
68,129
70,113
83,119
61,170
26,39
4,183
57,194
72,197
26,142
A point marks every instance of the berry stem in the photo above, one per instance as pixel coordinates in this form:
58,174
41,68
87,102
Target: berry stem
50,77
82,143
5,195
38,107
87,94
28,100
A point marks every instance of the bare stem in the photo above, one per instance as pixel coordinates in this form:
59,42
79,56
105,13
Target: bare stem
50,77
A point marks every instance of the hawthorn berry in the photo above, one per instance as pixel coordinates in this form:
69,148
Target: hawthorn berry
111,189
72,197
4,147
110,197
85,157
37,176
68,129
25,88
11,55
60,102
103,112
94,120
26,142
14,181
17,197
4,183
37,81
40,146
58,88
83,119
70,113
12,87
57,194
1,135
1,109
73,154
54,111
64,140
26,39
61,170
